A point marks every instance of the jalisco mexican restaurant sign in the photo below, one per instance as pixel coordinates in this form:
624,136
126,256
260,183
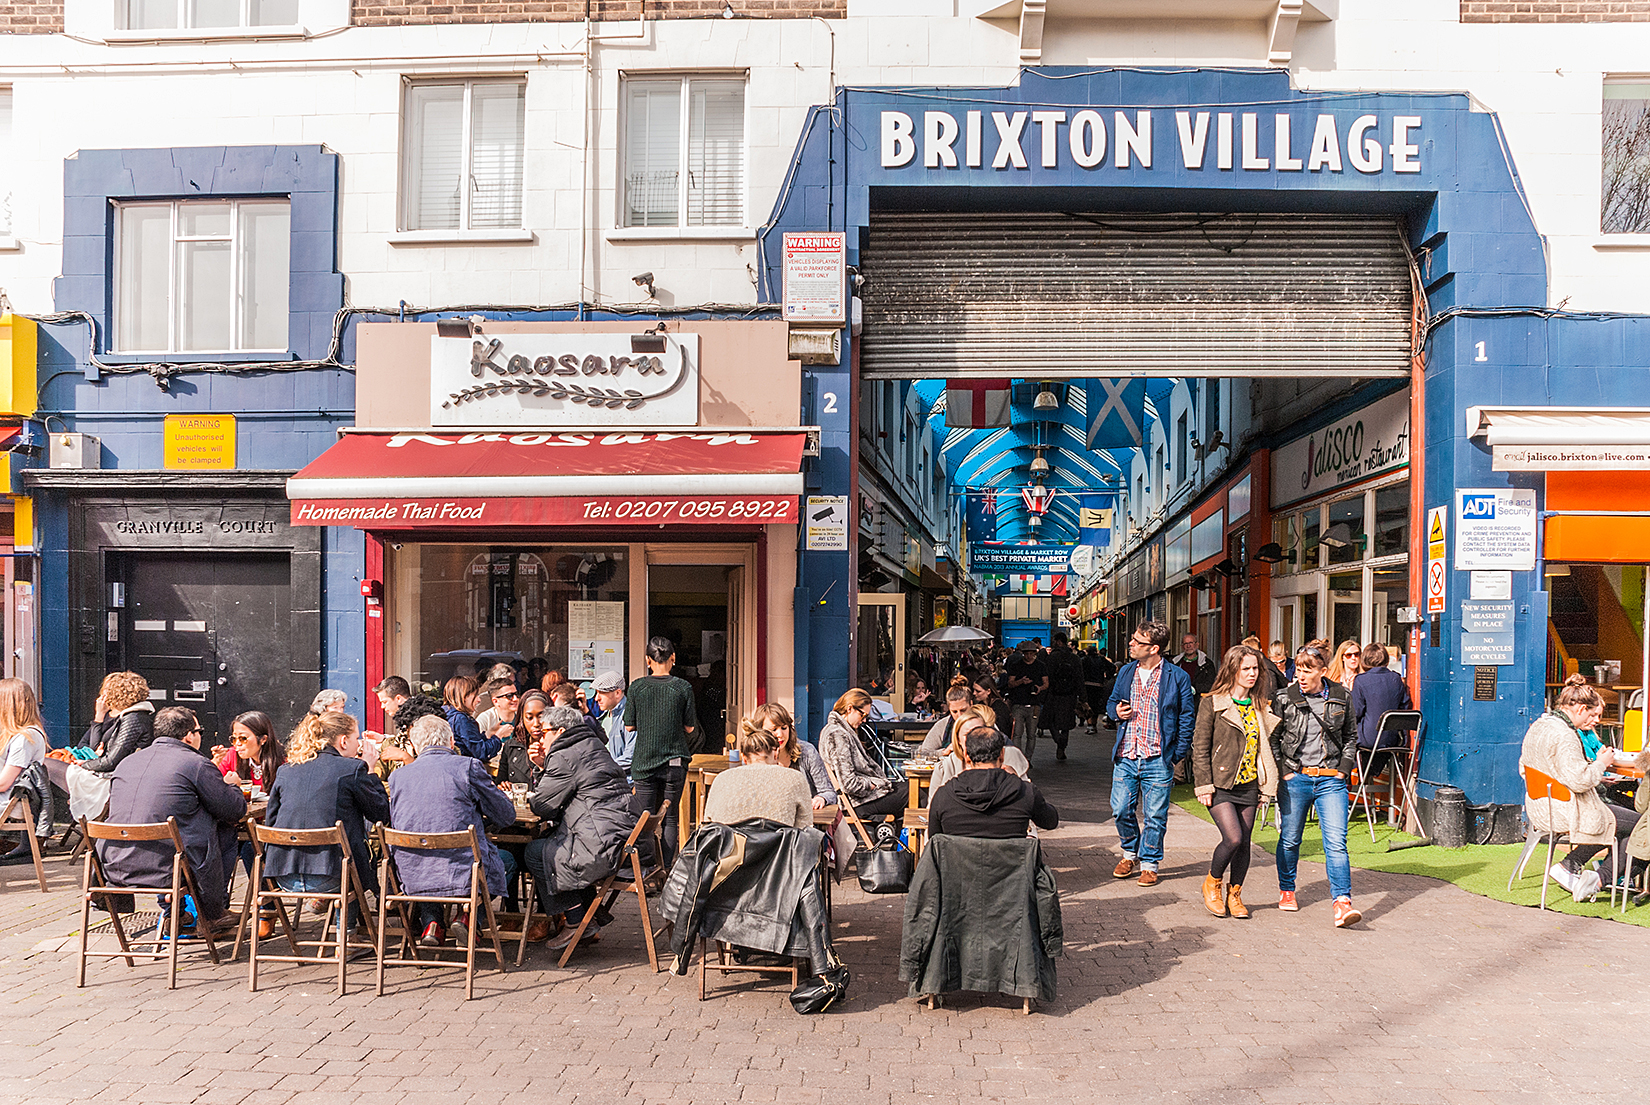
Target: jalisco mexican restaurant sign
1019,137
1373,441
596,510
563,380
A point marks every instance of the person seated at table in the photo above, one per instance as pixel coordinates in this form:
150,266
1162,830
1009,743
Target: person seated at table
1563,745
23,748
170,778
324,782
254,755
950,765
920,696
461,694
760,786
872,793
329,701
444,791
1378,690
503,700
796,752
986,800
123,721
584,795
957,701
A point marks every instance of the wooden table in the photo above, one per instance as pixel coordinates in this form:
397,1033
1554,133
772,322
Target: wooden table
699,769
917,777
916,830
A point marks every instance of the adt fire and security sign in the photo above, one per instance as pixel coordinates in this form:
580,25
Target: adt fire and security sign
1494,529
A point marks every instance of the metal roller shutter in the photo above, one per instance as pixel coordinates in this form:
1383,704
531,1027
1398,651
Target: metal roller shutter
1049,296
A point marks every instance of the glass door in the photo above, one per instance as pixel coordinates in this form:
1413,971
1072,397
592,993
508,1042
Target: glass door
879,665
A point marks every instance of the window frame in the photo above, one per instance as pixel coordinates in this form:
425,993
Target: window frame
1638,236
405,231
173,301
185,10
682,228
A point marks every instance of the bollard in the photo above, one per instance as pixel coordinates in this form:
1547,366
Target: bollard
1449,818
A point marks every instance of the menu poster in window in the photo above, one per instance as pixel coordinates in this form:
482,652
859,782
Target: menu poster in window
595,621
587,659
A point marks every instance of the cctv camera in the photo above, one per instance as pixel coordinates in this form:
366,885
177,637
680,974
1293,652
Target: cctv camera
642,279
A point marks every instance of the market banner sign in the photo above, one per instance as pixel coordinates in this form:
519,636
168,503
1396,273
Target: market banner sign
1020,559
565,380
1370,442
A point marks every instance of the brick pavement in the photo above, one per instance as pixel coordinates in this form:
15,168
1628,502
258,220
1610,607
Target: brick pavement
1438,997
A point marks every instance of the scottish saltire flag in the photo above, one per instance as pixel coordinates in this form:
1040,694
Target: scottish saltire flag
981,517
1117,413
1160,396
1094,519
974,404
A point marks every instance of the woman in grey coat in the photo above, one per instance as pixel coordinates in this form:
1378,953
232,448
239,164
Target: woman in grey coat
583,792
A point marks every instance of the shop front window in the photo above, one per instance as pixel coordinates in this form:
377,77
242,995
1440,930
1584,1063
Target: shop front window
1391,520
1391,591
544,606
1284,534
1346,593
1311,551
1344,539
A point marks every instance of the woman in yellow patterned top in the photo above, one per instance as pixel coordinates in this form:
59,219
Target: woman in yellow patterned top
1233,769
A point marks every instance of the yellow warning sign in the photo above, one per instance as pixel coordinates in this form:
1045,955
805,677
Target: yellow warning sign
1435,526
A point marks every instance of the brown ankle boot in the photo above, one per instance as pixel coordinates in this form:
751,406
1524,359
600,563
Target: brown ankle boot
1234,902
1213,899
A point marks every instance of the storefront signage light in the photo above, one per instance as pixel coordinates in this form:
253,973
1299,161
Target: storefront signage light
1371,442
563,380
1251,141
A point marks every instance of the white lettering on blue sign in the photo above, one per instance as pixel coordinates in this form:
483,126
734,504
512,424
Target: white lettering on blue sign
1478,506
1131,140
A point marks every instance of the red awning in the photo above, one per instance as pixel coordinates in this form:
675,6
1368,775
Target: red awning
388,481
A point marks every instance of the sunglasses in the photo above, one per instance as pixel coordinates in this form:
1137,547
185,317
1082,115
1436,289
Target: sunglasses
1308,650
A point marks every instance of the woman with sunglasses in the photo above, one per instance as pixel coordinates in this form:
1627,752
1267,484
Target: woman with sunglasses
1315,745
873,794
1347,664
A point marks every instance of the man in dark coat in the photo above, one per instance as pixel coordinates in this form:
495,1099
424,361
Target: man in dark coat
583,792
443,791
984,799
170,778
1376,691
1065,686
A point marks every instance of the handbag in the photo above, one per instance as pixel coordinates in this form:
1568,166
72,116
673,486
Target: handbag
885,869
822,991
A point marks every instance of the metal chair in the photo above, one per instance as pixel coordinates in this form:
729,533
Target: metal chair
1393,721
23,823
609,889
349,889
95,883
392,901
1540,787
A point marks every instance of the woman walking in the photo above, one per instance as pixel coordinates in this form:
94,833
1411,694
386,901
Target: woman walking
1315,745
1233,769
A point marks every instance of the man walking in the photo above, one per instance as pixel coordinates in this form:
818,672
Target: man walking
1027,678
1155,704
1197,664
1065,685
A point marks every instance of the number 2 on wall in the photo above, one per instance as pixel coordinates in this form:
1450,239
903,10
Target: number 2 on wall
1482,356
830,401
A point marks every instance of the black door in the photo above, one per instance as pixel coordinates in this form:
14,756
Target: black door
211,632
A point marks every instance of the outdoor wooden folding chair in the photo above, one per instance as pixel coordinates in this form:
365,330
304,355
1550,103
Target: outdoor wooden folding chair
392,901
1399,756
16,819
337,902
609,889
728,960
846,804
95,883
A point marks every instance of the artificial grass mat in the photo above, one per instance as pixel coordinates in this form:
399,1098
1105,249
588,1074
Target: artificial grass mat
1480,869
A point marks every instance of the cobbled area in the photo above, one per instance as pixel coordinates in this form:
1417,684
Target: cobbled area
1438,996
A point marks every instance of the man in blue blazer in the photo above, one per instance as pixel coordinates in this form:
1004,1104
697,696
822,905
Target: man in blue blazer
1157,709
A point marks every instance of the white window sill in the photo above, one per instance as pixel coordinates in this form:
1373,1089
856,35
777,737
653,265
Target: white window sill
202,34
8,244
1623,241
459,237
680,234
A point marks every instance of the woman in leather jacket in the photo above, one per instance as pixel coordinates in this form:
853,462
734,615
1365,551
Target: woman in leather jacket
1315,744
123,723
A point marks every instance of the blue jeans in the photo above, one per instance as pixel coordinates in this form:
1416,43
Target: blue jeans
1296,797
316,884
1130,779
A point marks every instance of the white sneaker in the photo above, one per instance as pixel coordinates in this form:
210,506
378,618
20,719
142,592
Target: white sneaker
1563,876
1587,884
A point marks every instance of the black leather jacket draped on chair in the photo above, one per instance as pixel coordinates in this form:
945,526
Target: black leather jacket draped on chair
118,736
755,884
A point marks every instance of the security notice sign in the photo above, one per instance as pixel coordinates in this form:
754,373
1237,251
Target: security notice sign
816,288
1436,571
827,523
1486,633
1494,529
